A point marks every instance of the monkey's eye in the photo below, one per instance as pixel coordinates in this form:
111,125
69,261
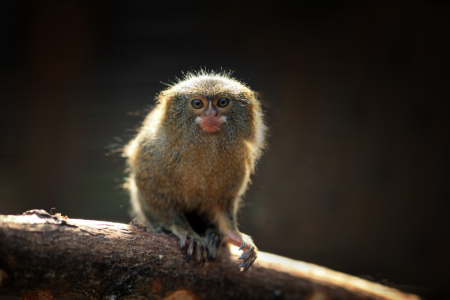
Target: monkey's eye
223,102
197,104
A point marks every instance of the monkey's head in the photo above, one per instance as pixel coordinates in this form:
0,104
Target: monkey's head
211,104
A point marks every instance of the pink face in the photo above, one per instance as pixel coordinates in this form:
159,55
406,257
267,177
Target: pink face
210,113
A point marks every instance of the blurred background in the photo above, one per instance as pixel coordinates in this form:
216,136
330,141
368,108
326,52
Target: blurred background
356,95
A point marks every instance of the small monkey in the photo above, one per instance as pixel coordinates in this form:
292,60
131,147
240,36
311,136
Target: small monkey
191,161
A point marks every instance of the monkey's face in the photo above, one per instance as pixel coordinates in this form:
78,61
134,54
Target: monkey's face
210,105
210,112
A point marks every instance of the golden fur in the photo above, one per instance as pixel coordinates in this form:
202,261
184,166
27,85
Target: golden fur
176,168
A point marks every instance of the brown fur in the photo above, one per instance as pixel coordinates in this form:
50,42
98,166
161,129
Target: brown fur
177,168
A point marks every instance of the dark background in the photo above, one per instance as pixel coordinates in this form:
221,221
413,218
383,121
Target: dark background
356,175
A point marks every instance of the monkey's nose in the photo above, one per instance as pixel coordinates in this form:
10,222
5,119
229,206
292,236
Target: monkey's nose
211,111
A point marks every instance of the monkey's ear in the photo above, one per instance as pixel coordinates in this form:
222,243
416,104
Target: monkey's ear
255,99
164,96
261,99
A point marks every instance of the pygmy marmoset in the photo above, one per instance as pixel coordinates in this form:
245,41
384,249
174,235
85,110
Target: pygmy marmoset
190,163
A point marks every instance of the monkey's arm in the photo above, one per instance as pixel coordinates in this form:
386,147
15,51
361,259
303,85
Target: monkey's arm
228,226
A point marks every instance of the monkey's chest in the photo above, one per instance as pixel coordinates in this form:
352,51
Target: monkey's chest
210,177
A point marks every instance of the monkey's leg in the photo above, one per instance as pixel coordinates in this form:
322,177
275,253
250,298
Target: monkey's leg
237,238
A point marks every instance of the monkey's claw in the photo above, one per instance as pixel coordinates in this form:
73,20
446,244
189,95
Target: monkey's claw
243,245
183,240
248,257
191,248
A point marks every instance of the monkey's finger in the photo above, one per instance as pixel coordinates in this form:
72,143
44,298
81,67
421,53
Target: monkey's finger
210,249
191,248
198,252
217,241
214,245
183,240
204,254
243,245
211,252
209,239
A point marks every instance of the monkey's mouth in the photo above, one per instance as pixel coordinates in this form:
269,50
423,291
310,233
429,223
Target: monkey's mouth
211,123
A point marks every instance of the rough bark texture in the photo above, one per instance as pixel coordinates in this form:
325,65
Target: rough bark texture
46,257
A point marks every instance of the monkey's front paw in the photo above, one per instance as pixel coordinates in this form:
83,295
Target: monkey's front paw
200,253
250,253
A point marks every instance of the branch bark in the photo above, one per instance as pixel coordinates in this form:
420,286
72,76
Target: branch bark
46,257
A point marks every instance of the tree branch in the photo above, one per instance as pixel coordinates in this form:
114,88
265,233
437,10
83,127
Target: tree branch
46,257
